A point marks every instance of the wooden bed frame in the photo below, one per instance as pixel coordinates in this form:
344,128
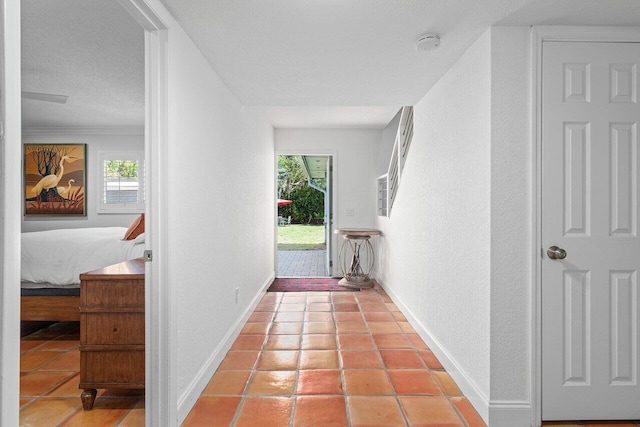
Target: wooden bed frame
49,307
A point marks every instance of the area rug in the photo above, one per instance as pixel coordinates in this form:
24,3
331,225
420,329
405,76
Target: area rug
306,284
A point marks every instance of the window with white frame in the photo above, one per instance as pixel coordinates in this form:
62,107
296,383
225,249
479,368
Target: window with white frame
121,181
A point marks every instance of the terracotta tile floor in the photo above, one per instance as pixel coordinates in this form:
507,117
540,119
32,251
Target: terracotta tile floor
330,359
49,393
302,359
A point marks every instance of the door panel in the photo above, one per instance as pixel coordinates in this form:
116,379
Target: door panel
590,190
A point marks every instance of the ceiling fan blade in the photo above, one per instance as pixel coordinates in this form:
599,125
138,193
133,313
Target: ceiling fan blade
46,97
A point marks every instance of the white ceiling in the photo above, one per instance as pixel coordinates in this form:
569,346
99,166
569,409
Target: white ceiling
309,63
335,117
89,50
577,12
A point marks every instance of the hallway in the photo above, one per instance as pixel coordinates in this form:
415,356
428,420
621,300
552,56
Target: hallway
330,359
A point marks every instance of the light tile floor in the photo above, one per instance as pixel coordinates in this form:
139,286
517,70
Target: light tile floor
310,263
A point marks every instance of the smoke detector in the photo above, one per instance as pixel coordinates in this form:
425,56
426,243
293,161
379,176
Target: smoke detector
427,41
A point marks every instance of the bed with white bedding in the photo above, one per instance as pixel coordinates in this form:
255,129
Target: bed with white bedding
53,260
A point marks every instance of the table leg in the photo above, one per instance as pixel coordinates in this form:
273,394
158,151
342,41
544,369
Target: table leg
88,397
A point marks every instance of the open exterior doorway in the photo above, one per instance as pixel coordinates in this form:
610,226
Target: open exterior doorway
304,224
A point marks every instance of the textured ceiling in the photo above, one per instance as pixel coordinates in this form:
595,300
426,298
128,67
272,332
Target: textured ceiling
90,50
577,12
333,52
310,63
334,117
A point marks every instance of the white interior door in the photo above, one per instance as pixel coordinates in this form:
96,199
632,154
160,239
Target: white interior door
590,190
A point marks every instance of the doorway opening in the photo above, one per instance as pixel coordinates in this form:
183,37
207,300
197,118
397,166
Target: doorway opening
303,228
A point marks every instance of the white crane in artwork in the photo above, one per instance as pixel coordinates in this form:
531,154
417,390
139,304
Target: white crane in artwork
64,192
51,180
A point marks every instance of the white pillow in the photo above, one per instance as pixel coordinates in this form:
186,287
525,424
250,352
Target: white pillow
139,239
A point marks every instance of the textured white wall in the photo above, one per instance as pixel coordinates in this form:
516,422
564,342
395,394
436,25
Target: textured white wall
435,249
354,171
105,140
511,217
457,248
221,169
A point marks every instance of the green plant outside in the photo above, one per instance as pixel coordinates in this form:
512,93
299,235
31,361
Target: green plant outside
300,237
308,203
121,168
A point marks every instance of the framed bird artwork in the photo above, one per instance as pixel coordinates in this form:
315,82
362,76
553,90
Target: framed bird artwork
55,179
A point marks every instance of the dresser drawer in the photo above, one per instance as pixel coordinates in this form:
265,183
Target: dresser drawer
112,328
109,293
102,368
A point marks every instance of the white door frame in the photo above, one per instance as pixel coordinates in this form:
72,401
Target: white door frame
160,356
328,218
11,210
334,197
538,36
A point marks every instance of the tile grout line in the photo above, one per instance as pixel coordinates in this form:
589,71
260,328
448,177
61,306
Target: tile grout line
340,363
429,373
395,396
294,399
243,396
455,409
43,395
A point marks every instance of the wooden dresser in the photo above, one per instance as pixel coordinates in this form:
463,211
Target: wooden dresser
111,329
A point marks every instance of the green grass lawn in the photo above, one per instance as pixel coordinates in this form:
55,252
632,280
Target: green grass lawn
299,237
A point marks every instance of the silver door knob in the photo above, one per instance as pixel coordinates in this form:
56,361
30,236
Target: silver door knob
555,252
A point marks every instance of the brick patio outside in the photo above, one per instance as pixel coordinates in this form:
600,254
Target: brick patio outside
310,263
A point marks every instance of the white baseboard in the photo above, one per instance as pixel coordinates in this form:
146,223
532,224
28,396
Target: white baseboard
466,385
494,413
509,414
199,383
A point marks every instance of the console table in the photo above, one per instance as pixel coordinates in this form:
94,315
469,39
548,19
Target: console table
356,257
111,329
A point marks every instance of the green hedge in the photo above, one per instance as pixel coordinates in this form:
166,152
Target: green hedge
308,203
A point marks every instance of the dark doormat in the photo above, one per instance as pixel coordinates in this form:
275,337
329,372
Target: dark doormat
306,284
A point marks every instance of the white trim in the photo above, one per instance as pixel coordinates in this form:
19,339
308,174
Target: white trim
586,34
160,330
79,130
161,354
535,292
496,413
538,36
144,14
509,414
468,387
202,378
10,206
